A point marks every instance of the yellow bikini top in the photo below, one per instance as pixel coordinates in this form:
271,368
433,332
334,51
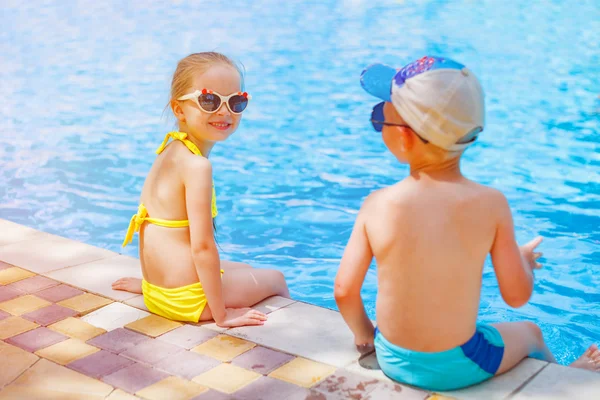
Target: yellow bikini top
142,215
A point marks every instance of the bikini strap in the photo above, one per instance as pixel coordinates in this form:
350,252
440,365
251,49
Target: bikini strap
135,224
182,137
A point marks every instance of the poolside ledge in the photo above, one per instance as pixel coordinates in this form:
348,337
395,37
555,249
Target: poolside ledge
64,333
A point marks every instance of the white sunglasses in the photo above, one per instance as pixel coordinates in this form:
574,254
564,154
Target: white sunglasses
210,101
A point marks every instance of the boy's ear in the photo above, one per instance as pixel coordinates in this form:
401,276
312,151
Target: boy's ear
407,139
177,110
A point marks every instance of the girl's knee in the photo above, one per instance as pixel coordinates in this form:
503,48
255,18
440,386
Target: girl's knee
279,283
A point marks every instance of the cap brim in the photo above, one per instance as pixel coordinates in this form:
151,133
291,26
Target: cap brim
377,79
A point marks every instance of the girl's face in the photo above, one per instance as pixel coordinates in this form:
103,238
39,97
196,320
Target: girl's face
218,126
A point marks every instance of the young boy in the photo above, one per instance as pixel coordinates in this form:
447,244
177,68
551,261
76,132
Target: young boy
430,234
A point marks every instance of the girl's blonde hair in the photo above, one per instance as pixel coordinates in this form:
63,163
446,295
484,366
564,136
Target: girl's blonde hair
197,62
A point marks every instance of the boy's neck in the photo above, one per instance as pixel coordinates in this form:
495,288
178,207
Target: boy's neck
445,170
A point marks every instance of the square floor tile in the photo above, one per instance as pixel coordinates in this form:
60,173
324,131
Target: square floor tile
15,361
391,391
561,382
113,316
50,252
3,315
36,339
186,364
98,276
34,284
11,232
23,304
119,394
272,303
346,385
118,340
58,293
85,303
137,302
227,378
49,315
66,352
303,372
134,378
13,326
14,392
223,347
100,364
266,388
153,325
172,388
4,265
216,395
76,329
151,351
9,293
262,360
188,336
14,274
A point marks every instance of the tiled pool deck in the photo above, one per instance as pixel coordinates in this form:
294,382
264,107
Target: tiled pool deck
65,334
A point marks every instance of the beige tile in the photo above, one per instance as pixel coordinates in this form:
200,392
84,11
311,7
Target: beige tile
561,382
49,253
172,388
503,385
15,361
119,394
223,347
303,372
14,274
50,377
13,326
17,392
113,316
305,330
227,378
77,329
68,351
273,303
24,304
85,303
137,302
440,397
153,325
11,232
98,276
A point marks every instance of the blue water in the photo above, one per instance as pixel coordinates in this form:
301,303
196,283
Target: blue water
83,85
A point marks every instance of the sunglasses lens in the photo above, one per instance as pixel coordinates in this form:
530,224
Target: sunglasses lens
238,103
376,116
377,126
209,102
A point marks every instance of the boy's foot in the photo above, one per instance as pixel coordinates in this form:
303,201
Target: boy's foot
589,360
133,285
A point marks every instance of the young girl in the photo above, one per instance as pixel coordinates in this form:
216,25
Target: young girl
184,279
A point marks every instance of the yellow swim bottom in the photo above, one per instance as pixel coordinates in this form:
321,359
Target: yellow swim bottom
184,303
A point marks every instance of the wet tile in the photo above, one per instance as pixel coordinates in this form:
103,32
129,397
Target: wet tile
3,315
392,391
9,293
307,394
100,364
368,367
118,340
98,276
23,304
14,274
262,360
76,329
227,378
561,382
137,302
47,377
15,361
13,326
34,284
266,388
346,385
85,303
188,336
151,351
303,372
49,315
50,252
36,339
67,351
172,388
113,316
119,394
153,325
223,347
186,364
273,303
319,334
11,232
134,378
58,293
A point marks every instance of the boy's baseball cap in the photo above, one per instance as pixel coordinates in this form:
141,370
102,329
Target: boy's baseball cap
440,99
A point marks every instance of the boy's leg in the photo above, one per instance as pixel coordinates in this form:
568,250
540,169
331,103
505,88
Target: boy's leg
521,339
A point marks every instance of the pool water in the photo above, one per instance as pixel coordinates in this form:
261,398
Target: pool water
83,86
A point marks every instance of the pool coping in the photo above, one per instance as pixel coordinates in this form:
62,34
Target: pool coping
294,327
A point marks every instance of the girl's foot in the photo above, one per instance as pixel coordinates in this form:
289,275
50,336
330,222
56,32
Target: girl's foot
589,360
133,285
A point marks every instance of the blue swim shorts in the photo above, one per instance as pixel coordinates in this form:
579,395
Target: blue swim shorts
473,362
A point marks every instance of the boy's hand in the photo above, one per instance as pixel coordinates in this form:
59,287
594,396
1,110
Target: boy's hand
529,255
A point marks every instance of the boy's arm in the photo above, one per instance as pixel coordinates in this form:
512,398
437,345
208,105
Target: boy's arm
349,280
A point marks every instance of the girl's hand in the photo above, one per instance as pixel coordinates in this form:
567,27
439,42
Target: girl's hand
241,317
531,257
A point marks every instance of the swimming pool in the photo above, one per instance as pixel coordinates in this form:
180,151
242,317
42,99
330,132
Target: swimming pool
83,87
